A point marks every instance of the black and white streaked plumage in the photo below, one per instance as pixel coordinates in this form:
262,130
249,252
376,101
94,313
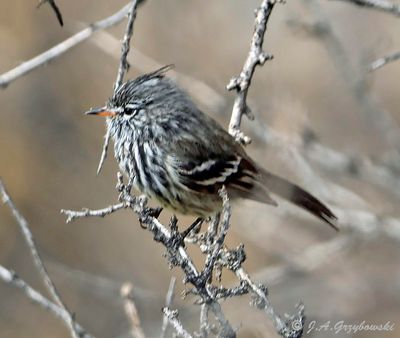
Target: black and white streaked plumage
182,157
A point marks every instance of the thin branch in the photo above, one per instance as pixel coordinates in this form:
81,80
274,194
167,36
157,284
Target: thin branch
172,317
242,82
72,215
122,69
11,278
378,63
381,5
168,302
126,45
59,49
28,236
55,8
131,310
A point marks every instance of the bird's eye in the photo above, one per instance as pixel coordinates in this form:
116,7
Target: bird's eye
130,111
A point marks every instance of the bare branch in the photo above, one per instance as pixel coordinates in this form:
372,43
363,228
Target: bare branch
11,278
55,8
381,5
72,215
172,316
28,236
168,302
131,310
242,82
126,45
378,63
123,68
59,49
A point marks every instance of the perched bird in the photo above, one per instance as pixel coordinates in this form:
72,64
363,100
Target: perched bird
178,155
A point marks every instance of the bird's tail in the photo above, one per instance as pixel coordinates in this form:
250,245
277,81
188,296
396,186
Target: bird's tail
298,196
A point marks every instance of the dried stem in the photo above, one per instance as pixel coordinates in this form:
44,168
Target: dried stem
30,241
242,82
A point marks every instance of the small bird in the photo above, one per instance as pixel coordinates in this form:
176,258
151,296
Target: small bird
175,153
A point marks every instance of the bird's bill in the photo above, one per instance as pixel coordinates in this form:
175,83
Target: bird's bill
103,111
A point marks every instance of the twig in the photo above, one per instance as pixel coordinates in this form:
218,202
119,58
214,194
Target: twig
28,236
124,65
131,311
122,69
72,215
242,82
55,8
168,302
11,278
285,328
383,61
381,5
59,49
172,317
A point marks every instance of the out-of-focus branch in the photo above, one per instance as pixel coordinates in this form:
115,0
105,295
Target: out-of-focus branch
172,316
59,49
354,77
242,82
131,310
28,236
55,8
381,5
11,278
378,63
168,302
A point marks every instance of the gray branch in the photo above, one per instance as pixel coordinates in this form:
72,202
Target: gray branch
11,278
378,63
381,5
30,241
242,82
56,51
172,317
168,302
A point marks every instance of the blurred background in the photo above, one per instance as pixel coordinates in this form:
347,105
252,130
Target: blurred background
315,91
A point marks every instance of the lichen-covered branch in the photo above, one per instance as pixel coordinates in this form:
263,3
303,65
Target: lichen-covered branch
383,61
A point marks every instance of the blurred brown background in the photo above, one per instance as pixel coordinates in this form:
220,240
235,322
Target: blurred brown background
49,155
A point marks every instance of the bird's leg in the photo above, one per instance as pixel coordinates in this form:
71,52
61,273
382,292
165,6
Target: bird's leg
193,226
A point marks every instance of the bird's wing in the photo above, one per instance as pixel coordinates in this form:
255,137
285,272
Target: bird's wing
205,170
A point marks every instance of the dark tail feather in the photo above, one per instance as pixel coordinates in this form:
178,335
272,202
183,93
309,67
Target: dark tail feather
299,197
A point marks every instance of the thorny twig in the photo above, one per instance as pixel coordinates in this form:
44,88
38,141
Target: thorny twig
122,69
30,241
55,8
168,302
242,82
131,310
11,278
